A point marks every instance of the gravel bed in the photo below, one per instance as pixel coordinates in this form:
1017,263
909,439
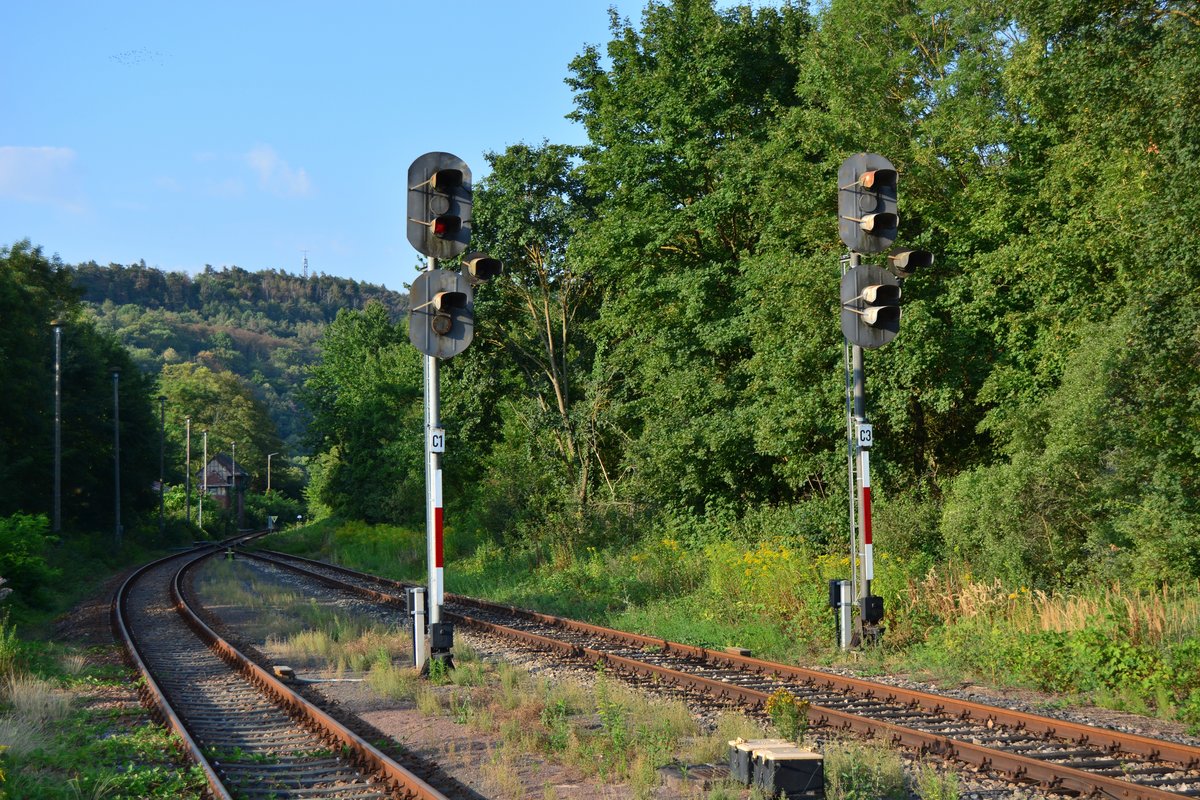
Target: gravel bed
974,785
1045,705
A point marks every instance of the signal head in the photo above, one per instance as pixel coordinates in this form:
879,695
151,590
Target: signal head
903,263
481,268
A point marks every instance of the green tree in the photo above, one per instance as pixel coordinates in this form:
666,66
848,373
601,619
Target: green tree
34,290
1092,397
365,398
676,117
222,404
533,317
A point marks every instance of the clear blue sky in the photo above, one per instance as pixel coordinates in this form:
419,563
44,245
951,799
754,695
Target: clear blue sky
246,132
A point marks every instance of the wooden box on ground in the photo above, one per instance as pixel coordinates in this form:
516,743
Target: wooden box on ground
788,772
741,755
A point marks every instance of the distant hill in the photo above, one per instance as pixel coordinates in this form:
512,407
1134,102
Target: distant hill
263,326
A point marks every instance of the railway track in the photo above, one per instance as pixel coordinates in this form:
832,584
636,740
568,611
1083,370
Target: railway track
251,734
1055,754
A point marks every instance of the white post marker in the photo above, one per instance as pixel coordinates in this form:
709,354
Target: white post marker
438,572
865,440
437,446
865,510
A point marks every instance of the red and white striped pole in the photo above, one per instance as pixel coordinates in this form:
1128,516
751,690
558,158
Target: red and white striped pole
438,550
435,446
864,506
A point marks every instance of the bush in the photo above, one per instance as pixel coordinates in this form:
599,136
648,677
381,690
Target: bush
24,540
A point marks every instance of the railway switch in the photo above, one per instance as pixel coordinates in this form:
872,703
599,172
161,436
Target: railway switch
870,306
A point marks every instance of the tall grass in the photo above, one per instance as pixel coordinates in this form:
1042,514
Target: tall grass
34,705
10,645
857,770
1168,614
761,583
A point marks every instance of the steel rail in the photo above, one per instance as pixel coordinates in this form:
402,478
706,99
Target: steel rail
358,752
1186,756
1016,765
366,755
151,693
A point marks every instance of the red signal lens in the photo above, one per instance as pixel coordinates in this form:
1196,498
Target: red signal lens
878,178
446,226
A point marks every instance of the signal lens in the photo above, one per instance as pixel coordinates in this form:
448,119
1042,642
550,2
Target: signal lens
879,178
446,180
446,226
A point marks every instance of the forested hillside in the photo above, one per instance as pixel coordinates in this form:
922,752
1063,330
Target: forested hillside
663,352
262,326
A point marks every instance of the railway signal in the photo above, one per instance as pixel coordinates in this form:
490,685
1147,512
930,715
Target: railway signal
867,215
868,223
480,268
870,306
441,324
903,263
441,316
439,205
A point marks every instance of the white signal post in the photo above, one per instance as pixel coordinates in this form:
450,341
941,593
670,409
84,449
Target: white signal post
434,514
436,444
864,504
441,323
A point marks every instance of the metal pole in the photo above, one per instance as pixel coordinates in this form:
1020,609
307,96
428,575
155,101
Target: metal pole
204,481
162,469
116,374
233,480
433,510
269,455
853,410
845,604
57,427
417,609
187,468
440,639
859,378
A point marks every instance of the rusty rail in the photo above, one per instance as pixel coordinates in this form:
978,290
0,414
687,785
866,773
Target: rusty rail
1018,766
381,776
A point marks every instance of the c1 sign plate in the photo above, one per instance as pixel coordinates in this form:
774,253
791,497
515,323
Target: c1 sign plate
437,440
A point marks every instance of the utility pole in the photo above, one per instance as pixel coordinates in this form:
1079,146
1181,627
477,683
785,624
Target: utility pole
57,426
116,376
234,487
204,481
269,455
187,468
162,469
